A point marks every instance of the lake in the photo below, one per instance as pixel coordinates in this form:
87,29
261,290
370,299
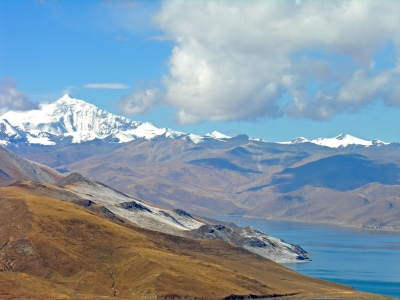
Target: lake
367,260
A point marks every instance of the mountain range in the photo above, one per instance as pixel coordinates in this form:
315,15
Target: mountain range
70,120
342,180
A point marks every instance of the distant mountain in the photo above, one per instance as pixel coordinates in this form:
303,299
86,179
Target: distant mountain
239,176
373,205
337,172
75,121
342,140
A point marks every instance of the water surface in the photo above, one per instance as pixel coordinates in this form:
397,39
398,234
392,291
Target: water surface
368,260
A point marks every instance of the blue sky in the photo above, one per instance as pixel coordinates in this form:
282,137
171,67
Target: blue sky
270,69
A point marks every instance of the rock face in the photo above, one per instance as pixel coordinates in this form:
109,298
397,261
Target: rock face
254,241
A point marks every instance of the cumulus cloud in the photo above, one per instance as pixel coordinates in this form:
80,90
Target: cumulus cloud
235,60
13,99
115,86
140,101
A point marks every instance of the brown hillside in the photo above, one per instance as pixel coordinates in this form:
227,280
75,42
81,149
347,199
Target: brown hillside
56,249
14,167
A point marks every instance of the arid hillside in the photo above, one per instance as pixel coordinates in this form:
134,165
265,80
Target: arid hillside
57,249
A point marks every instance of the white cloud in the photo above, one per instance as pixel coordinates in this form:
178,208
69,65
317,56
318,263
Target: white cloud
233,60
116,86
13,99
140,101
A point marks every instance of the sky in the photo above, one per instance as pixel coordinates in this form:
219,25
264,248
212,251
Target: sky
274,70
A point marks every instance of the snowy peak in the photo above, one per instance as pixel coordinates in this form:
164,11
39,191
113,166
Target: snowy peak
69,117
343,136
342,140
81,121
66,99
217,135
379,143
299,140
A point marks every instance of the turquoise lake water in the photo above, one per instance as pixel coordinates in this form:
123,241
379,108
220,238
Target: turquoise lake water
367,260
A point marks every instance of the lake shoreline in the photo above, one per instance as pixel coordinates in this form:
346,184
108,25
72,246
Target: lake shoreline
362,227
366,259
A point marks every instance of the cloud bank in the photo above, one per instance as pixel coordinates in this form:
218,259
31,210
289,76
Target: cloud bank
246,60
13,99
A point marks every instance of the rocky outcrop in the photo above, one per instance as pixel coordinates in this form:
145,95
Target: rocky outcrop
254,241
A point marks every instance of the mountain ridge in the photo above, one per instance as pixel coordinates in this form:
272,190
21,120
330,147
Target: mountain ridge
75,119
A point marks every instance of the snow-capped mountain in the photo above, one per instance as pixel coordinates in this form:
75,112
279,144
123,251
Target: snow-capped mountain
75,121
68,117
80,121
342,140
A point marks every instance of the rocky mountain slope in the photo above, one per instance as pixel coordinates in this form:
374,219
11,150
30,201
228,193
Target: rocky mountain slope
86,192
